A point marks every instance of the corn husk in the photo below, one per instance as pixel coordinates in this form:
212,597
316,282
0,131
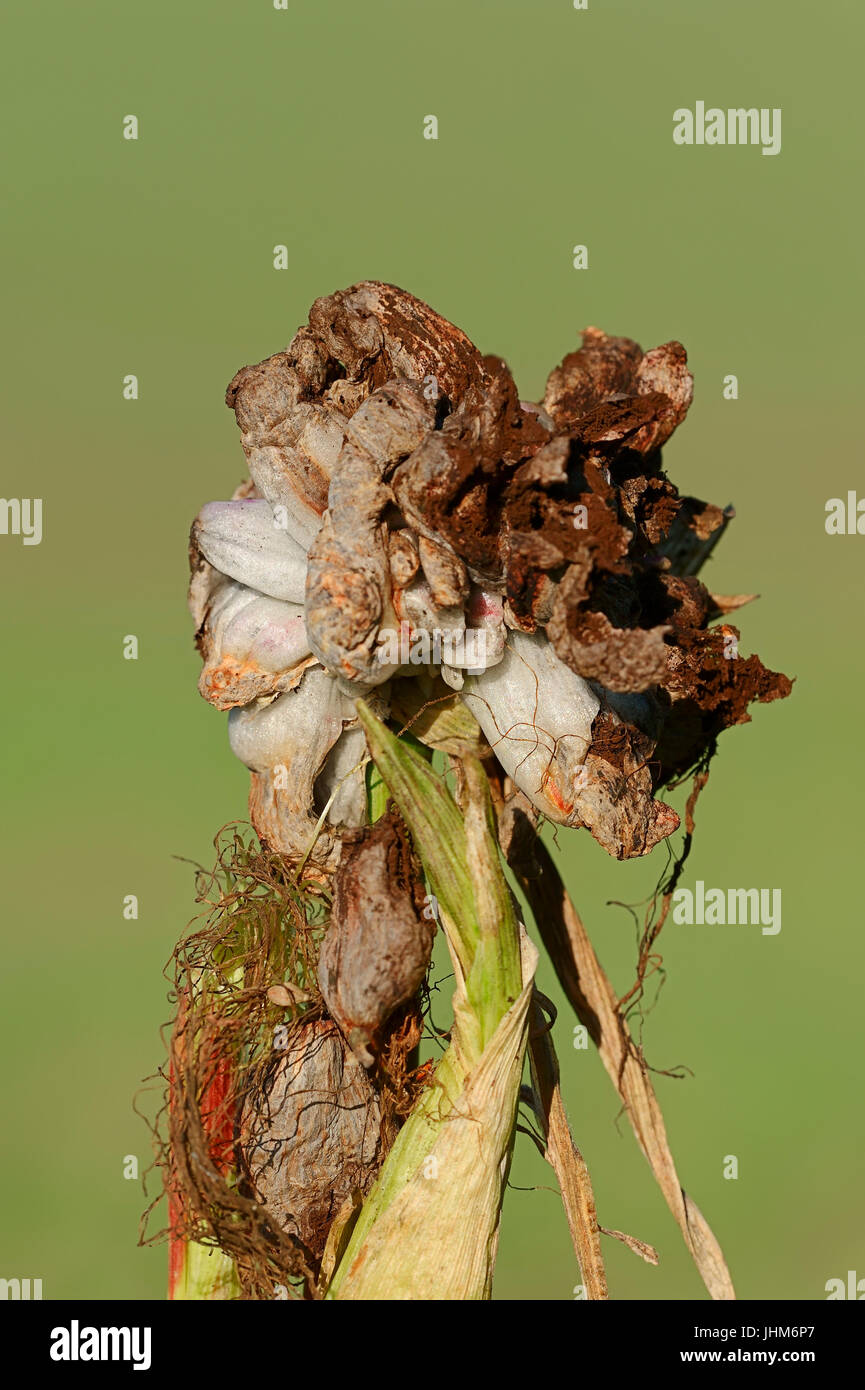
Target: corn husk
429,1228
204,1272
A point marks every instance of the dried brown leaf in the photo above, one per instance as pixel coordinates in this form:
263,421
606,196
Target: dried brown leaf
594,1000
565,1158
640,1247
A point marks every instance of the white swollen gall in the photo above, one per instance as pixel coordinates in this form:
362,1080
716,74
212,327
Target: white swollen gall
537,715
287,744
244,540
252,645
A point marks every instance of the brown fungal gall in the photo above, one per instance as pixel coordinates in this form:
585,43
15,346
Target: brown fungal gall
377,948
314,1136
405,498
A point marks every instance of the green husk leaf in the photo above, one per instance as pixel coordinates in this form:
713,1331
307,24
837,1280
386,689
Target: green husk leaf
208,1273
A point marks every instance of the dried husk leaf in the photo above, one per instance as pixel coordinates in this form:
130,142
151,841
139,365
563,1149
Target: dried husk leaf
594,1000
639,1247
565,1158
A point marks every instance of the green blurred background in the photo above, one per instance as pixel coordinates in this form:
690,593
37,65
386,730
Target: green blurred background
154,257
